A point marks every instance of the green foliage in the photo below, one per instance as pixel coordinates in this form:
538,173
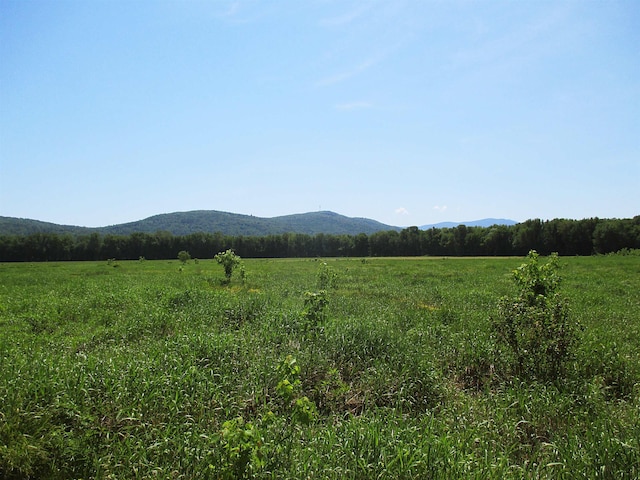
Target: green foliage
314,308
289,370
327,277
243,445
535,324
229,261
303,410
138,372
184,256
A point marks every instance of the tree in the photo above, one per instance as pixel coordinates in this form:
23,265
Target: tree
497,240
229,261
361,245
613,235
527,236
410,241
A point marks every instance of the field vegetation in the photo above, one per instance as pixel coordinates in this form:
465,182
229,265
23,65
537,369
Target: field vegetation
310,368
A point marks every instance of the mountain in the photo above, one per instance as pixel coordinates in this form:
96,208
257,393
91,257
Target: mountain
233,224
485,222
211,221
25,226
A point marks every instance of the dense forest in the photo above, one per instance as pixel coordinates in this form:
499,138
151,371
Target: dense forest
567,237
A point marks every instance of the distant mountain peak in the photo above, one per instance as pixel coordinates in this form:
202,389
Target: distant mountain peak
485,222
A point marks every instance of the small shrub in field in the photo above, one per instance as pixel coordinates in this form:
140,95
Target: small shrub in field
289,370
184,256
229,261
243,445
327,277
303,410
534,325
314,305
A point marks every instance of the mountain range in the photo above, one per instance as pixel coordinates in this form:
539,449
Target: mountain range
485,222
233,224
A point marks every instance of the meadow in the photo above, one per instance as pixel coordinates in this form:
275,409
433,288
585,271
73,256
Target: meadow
309,368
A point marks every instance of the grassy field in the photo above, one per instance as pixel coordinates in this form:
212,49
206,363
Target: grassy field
155,370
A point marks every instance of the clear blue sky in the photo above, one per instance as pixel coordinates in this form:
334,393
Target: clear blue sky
407,112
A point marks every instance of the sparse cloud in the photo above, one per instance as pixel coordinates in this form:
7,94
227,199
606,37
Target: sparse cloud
229,10
524,42
348,73
367,33
440,208
402,211
345,18
352,105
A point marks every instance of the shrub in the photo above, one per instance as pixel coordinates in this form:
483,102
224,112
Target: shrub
243,444
229,261
535,325
184,256
303,410
315,303
327,277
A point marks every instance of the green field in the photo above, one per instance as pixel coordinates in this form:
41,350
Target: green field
146,369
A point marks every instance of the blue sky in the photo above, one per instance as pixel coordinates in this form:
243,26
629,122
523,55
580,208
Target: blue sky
407,112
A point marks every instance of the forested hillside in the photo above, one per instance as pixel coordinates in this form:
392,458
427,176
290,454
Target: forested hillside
25,226
211,221
567,237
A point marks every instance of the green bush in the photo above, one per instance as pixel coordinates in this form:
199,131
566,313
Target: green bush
315,304
327,277
229,261
184,256
534,325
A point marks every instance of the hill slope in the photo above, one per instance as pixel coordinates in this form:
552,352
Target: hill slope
25,226
211,221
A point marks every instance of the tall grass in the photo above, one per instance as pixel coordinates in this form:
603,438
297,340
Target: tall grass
147,369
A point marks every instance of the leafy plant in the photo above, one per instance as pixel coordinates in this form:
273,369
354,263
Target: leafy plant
229,261
535,325
289,370
327,277
303,410
243,445
314,305
184,256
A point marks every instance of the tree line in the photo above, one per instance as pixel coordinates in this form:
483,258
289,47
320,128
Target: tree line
566,237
